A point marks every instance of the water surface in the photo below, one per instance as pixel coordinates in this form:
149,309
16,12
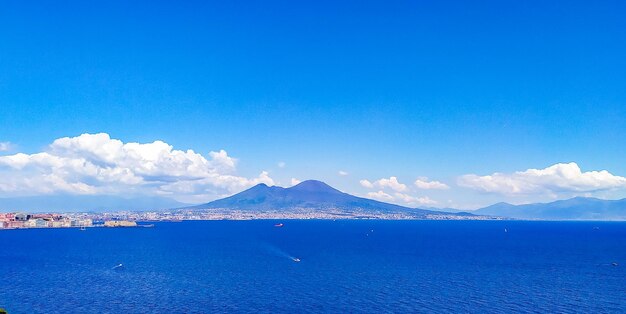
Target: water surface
346,266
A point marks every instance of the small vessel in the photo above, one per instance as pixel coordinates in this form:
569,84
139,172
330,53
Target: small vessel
82,229
295,259
614,264
505,230
118,266
278,225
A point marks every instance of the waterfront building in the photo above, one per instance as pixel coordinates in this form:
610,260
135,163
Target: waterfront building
120,223
41,223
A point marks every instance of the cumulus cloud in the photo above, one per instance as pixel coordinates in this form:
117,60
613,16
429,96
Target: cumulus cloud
381,196
295,181
424,184
220,160
366,184
412,200
5,146
399,194
562,178
391,183
97,164
401,198
342,173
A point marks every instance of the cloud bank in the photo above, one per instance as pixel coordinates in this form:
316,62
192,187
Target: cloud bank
562,178
97,164
398,191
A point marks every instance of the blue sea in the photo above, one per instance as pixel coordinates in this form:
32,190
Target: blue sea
365,266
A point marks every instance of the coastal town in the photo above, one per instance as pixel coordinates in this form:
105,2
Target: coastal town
51,220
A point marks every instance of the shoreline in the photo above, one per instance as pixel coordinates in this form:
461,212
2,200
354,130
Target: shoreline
151,223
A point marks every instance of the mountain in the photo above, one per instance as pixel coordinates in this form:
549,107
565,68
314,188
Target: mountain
73,203
310,195
578,208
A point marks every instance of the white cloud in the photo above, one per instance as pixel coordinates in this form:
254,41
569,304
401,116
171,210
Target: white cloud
295,181
97,164
366,184
381,196
562,178
424,184
5,146
221,160
342,173
401,198
391,183
282,164
412,200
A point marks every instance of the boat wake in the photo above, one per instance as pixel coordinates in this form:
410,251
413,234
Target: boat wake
279,252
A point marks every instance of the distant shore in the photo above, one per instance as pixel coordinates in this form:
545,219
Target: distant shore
131,219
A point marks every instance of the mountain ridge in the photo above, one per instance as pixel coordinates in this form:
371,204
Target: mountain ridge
576,208
309,194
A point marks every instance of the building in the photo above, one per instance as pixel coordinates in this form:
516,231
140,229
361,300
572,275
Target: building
41,223
120,223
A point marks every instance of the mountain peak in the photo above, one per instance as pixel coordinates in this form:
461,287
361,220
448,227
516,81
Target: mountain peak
310,195
503,204
314,186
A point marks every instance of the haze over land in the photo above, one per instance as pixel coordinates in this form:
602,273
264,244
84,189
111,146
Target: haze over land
316,199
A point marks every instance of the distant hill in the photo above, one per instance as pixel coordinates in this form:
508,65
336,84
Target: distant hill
309,194
73,203
578,208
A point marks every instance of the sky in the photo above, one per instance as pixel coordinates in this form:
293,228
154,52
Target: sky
419,103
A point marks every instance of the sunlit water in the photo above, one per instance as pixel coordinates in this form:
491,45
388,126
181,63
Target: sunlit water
346,266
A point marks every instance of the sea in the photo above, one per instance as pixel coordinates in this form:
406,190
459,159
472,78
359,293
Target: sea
345,266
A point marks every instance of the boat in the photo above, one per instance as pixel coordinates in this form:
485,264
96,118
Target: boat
278,225
118,266
82,229
295,259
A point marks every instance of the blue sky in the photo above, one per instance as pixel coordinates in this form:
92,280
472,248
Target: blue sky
409,89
